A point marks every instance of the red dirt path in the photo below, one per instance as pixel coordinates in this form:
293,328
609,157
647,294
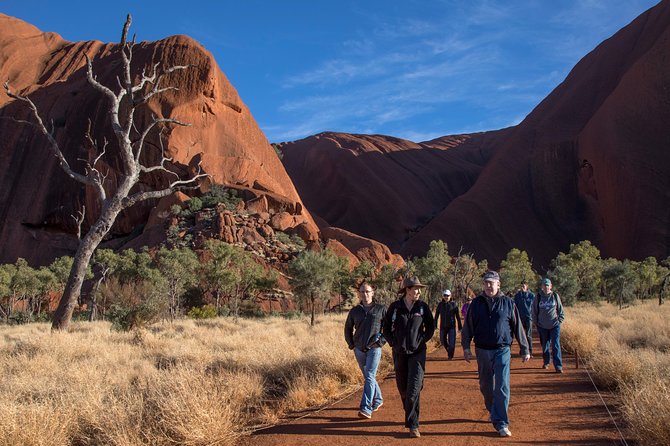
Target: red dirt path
545,408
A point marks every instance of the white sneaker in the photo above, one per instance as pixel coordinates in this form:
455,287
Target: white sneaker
504,432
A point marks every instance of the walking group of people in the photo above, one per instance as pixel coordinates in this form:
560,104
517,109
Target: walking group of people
491,320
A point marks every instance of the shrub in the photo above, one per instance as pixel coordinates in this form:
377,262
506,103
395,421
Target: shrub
220,194
194,204
204,312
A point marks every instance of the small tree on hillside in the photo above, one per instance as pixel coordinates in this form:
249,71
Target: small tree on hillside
130,96
312,278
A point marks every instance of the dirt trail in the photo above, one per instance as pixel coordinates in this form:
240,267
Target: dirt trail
545,408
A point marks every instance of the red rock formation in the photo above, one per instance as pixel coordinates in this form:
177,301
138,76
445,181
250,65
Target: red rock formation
590,162
380,187
37,199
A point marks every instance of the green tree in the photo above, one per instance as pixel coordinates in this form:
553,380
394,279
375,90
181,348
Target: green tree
435,270
219,274
516,268
466,272
565,282
647,277
7,272
583,260
313,276
386,284
621,282
25,284
179,268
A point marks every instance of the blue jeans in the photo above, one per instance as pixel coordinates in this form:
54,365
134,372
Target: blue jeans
448,340
493,366
551,336
528,329
372,394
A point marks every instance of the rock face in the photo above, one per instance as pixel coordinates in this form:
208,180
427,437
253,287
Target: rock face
380,187
590,162
37,200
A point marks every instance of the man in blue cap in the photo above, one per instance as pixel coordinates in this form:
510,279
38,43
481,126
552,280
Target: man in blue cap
524,302
493,321
548,315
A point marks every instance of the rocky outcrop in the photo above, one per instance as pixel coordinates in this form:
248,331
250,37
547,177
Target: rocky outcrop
590,162
37,200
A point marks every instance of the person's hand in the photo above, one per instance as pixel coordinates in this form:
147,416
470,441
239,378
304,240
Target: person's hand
526,357
467,355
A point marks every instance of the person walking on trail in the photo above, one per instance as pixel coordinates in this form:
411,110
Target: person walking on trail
464,308
447,314
408,325
492,321
362,331
524,303
548,315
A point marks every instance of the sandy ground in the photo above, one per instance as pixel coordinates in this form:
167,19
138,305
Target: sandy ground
546,408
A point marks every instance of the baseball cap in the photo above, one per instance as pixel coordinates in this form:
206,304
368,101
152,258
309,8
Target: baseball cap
490,276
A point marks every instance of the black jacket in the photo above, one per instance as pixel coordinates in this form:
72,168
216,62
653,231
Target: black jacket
361,326
493,322
407,331
447,313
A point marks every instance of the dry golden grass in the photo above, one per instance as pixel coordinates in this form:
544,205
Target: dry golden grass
191,383
629,352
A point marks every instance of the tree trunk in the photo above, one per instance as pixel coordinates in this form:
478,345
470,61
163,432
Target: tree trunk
63,315
311,322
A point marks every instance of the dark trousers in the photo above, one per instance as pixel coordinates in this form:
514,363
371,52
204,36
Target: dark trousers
528,329
448,340
409,371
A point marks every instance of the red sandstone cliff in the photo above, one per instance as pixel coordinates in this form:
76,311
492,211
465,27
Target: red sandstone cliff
37,199
592,161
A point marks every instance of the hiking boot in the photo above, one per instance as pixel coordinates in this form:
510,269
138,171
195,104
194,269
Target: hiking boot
376,408
414,432
362,414
504,432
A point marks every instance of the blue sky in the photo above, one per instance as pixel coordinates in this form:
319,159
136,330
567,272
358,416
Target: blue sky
415,69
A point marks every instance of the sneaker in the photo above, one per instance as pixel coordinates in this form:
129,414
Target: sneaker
376,408
504,432
545,366
559,370
362,414
414,432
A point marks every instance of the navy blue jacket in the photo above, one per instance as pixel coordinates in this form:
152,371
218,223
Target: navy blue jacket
524,302
407,331
492,323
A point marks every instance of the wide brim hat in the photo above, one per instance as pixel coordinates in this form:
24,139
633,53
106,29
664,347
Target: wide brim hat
410,282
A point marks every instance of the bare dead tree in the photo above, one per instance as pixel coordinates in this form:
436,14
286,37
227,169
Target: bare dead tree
131,142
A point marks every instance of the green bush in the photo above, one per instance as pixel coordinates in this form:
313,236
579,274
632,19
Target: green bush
219,194
141,315
194,204
20,318
204,312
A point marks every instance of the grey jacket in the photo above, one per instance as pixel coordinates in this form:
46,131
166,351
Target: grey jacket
548,310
